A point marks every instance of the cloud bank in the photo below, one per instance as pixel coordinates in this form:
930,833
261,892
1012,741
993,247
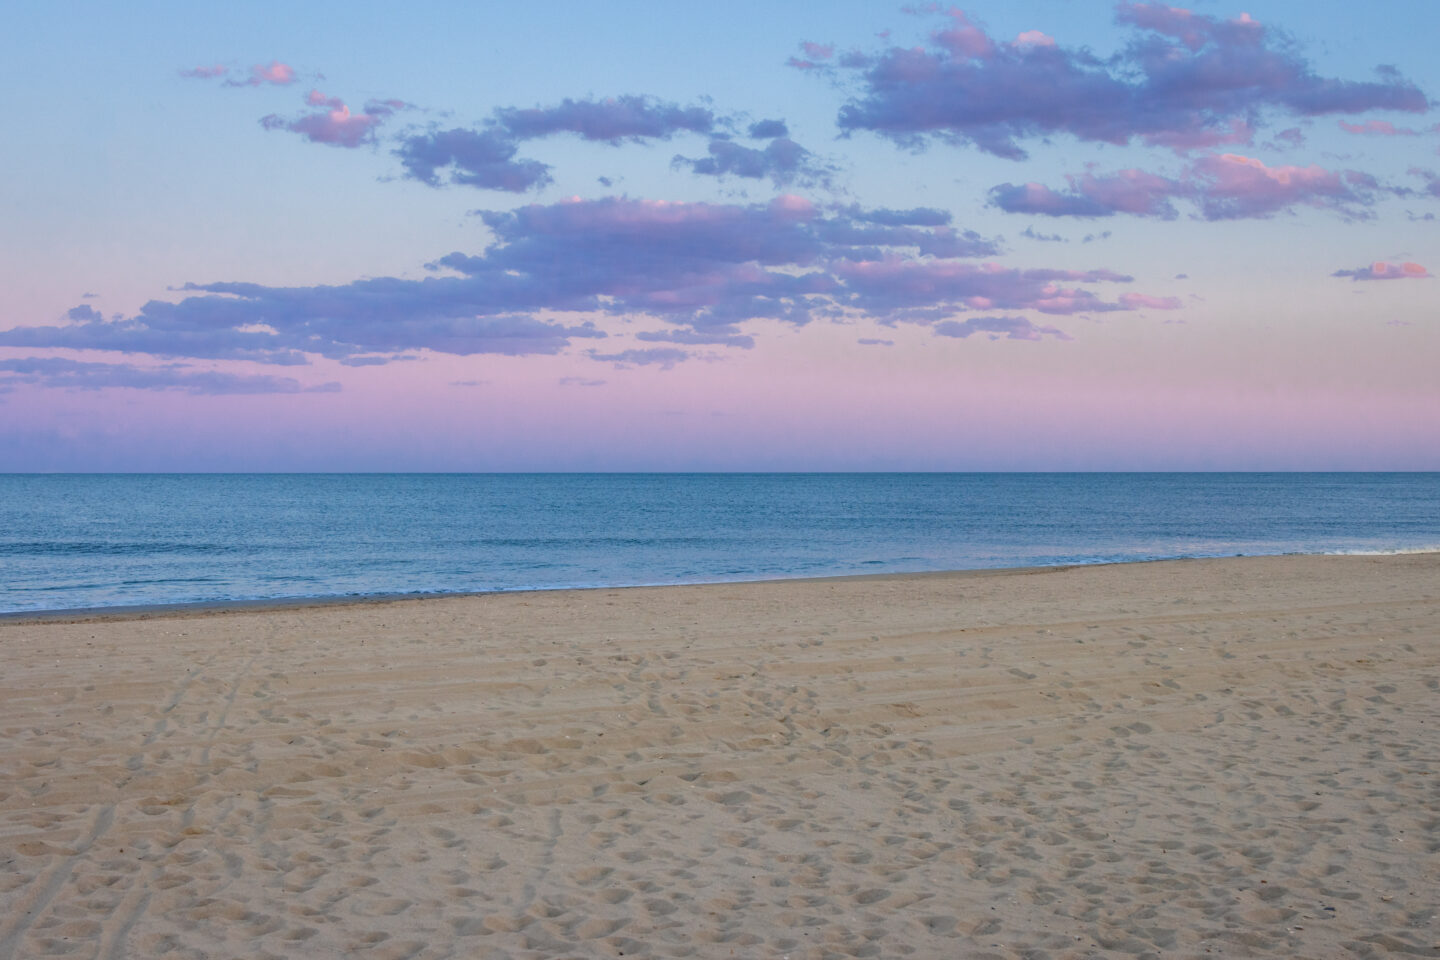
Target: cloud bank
698,268
1184,81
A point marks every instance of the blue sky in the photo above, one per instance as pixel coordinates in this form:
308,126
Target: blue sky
944,263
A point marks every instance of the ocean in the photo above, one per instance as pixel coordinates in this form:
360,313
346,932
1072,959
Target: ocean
89,541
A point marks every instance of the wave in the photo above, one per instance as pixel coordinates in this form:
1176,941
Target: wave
1395,552
62,548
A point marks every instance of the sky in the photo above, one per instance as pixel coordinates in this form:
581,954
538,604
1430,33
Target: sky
1021,235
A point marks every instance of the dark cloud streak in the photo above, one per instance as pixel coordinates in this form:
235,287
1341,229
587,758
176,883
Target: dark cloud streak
783,161
57,372
613,120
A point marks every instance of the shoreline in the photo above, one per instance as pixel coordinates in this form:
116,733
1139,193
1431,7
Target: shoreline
191,607
1185,758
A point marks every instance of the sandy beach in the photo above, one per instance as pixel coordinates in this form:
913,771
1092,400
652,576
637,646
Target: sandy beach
1234,757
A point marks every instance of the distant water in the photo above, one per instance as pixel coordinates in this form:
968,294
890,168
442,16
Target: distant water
75,541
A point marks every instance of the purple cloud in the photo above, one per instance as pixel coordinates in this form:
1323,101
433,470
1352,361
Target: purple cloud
815,55
336,125
1010,328
699,268
375,361
664,357
1031,234
613,120
82,375
1141,301
88,329
893,288
702,264
1184,81
474,159
486,157
1381,270
768,129
240,321
1431,178
1380,128
1235,187
1224,187
875,342
914,217
783,161
1292,137
719,336
1128,191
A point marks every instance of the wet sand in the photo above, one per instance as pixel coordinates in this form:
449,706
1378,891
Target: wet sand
1233,757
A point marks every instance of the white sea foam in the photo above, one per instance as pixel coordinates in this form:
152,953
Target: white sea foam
1398,551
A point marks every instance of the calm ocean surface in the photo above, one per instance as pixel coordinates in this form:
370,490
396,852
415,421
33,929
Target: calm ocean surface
75,541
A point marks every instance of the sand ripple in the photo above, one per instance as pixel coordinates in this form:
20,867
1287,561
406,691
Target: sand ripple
1194,759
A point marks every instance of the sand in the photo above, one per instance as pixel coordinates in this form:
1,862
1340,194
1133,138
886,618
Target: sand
1236,757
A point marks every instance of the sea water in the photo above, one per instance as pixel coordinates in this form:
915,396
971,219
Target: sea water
84,541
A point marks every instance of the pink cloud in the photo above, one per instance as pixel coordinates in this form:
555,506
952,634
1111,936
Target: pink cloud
1130,191
1127,191
277,73
1140,301
1380,128
816,55
789,206
280,74
1191,30
1227,186
1203,138
1240,186
1034,38
336,125
963,39
1381,270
